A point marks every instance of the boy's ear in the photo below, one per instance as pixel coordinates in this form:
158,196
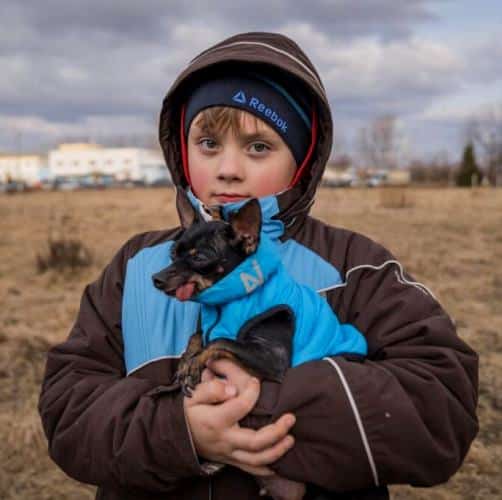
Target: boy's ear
188,214
246,224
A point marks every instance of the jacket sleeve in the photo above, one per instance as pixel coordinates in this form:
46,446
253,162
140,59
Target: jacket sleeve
105,428
406,414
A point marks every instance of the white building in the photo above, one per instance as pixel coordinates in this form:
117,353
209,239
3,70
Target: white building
81,159
22,168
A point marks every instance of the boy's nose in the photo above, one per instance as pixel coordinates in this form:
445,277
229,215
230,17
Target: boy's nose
230,167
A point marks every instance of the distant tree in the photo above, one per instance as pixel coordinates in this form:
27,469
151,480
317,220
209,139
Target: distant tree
339,142
469,173
341,162
485,131
378,144
437,171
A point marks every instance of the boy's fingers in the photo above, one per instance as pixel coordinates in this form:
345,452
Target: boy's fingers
267,436
255,471
211,392
207,375
226,368
237,408
265,457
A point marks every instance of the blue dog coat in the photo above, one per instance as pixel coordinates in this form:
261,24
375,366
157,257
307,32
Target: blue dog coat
260,283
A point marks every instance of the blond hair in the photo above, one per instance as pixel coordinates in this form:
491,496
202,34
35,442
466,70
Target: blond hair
218,119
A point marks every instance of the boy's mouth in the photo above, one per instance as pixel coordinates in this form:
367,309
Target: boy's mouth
230,197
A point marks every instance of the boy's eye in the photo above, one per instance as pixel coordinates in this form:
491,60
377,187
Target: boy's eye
259,147
207,143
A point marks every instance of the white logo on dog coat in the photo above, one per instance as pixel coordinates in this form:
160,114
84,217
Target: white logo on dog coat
251,282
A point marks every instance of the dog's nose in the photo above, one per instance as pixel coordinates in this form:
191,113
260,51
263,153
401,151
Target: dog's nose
158,281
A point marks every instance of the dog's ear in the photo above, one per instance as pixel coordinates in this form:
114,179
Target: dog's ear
246,224
188,214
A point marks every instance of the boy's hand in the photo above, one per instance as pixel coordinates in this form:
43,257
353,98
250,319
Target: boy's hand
228,370
213,413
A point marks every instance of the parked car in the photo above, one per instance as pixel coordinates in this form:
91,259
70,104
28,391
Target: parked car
337,178
13,187
66,183
377,180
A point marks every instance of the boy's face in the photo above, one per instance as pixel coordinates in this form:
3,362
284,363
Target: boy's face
233,165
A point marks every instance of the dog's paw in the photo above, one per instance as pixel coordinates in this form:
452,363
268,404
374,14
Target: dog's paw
189,375
186,390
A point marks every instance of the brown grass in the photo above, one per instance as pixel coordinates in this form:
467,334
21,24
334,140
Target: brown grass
450,239
65,251
396,197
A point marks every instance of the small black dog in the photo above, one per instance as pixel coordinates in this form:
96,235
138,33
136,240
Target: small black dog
202,255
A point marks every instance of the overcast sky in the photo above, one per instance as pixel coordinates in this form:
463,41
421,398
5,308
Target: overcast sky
101,68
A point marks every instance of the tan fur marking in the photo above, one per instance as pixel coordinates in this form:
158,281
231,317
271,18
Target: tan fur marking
202,283
213,353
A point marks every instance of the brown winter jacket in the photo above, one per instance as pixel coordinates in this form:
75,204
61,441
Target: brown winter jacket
404,415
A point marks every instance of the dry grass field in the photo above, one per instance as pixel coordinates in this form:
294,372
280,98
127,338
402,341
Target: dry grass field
449,239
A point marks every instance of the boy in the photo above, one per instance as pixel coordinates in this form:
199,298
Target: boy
249,117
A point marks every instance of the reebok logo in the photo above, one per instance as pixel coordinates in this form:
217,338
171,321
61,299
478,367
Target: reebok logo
240,97
269,113
263,109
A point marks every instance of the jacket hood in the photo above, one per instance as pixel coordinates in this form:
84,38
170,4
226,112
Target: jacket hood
280,56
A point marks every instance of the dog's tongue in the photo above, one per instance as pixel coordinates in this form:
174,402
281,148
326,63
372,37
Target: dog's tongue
184,292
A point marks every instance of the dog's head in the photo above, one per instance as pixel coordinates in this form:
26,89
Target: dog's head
206,251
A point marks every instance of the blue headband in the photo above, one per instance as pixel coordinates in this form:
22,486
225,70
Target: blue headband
262,97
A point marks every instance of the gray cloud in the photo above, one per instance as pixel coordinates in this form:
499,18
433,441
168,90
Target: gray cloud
146,20
74,64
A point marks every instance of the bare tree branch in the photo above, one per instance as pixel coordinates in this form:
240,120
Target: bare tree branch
485,131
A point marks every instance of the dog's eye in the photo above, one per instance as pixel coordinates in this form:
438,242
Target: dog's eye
198,258
202,263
